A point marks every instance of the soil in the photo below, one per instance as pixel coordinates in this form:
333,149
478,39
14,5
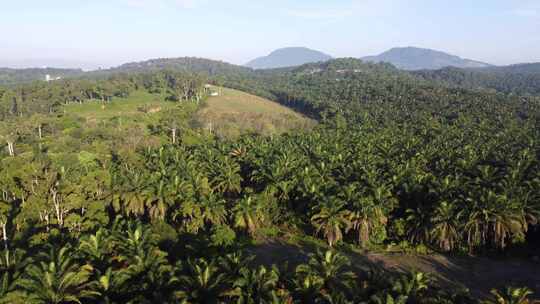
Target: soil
478,274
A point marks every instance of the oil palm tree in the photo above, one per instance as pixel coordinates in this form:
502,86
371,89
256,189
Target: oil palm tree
445,226
492,220
418,222
388,298
9,281
511,295
330,268
256,285
58,279
308,287
213,210
127,192
364,217
249,213
226,176
202,282
146,272
96,248
331,218
232,263
411,285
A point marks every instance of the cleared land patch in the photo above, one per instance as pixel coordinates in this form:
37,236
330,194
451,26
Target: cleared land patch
138,103
233,112
478,274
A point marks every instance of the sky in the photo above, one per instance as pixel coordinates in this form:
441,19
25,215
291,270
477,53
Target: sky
104,33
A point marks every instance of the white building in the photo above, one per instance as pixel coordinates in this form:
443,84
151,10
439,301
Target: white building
49,78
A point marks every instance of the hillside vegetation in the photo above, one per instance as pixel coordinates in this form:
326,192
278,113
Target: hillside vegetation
17,76
518,79
112,202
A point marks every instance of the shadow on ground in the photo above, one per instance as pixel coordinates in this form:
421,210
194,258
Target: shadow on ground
478,274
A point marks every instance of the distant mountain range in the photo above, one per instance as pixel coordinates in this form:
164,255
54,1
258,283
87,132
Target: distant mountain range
425,63
287,57
412,58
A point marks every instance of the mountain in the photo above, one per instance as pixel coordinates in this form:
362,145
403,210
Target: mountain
287,57
412,58
10,76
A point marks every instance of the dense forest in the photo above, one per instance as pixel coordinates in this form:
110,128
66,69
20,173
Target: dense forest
164,211
521,79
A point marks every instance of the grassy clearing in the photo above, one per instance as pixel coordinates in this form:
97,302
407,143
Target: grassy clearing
120,107
234,112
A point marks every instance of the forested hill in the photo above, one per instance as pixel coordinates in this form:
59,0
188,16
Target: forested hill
522,68
181,64
521,79
350,86
16,76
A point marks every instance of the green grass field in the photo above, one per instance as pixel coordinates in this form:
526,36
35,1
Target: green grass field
120,107
228,115
234,112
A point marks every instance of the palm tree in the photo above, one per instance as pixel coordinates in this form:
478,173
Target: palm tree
111,286
146,272
232,263
128,193
249,213
411,285
418,221
308,287
493,220
8,286
387,298
332,219
511,295
256,285
226,176
213,210
445,226
157,199
365,216
96,248
331,268
58,279
202,282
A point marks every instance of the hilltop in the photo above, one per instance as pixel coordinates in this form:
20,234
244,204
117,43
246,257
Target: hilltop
287,57
413,58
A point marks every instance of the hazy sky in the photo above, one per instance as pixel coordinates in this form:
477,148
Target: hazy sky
109,32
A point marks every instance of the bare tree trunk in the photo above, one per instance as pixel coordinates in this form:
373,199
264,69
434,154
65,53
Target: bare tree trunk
6,246
39,132
10,148
58,209
173,130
